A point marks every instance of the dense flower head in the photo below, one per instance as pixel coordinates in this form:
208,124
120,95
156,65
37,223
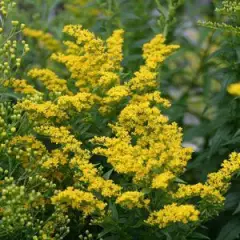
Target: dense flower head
154,53
20,86
220,180
234,89
173,214
94,64
84,201
42,110
79,102
161,181
56,158
207,193
132,200
145,144
50,80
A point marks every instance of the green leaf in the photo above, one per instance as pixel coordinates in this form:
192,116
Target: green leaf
138,224
10,95
104,232
112,207
221,136
230,231
168,236
130,16
232,141
232,200
179,180
199,236
108,174
146,190
237,210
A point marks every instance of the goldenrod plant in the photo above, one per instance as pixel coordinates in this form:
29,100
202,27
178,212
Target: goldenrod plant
91,142
98,148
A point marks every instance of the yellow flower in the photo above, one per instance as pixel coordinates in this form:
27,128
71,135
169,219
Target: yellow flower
56,158
154,53
114,50
20,86
50,80
208,193
92,63
62,136
173,214
80,200
90,174
234,89
95,183
132,200
143,79
144,143
79,102
221,179
45,110
114,96
161,181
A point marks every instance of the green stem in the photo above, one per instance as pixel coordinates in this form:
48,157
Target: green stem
160,8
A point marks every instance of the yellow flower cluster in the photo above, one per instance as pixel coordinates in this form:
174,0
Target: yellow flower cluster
91,177
61,136
79,102
116,94
80,161
50,80
234,89
216,185
44,110
20,86
84,201
56,158
221,179
208,193
156,148
162,180
95,64
59,111
132,200
154,53
173,214
45,40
